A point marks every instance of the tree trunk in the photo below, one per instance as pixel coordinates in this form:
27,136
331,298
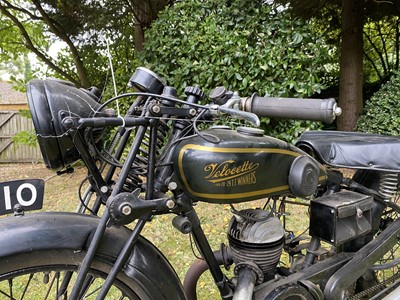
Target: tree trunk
145,12
351,64
139,37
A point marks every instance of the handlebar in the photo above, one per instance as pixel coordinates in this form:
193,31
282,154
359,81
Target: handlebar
325,110
248,109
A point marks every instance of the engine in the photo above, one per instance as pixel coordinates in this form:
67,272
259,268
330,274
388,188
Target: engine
256,236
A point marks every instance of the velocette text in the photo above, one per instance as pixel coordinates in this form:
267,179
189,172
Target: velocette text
230,173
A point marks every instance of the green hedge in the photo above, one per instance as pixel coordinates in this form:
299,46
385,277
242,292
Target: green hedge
245,46
382,111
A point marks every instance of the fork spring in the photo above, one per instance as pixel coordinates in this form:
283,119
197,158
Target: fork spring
139,167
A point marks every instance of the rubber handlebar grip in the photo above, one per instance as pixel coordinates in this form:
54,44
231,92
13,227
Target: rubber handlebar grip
325,110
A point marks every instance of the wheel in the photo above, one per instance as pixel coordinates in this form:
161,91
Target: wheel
40,254
386,272
50,274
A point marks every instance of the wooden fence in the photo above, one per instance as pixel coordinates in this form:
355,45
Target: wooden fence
11,122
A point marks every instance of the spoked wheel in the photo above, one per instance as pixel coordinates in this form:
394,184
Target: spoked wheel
386,272
51,274
384,276
40,251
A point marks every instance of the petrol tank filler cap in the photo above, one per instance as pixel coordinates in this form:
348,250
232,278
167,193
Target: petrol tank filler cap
250,131
220,127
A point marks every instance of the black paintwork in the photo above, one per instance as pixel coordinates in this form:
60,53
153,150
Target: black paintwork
50,101
75,231
239,167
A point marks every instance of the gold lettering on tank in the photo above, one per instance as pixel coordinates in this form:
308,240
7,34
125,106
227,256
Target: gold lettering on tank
230,173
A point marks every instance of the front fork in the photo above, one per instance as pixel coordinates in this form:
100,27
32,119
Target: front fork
146,208
226,290
206,252
198,234
87,261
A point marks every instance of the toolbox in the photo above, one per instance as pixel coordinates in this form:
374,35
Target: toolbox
340,217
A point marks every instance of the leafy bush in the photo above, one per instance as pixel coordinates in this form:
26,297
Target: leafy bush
382,112
245,46
25,137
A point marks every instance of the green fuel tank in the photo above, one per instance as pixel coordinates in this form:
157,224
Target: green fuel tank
229,166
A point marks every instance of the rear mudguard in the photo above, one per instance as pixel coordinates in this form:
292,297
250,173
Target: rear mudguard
52,231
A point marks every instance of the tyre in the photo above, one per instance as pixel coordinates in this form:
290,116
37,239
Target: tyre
51,274
40,254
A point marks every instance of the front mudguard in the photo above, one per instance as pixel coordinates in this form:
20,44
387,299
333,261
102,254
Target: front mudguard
52,231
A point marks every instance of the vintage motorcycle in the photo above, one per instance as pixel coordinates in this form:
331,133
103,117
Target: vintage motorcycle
164,157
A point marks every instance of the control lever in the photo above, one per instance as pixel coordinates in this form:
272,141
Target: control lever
220,95
248,116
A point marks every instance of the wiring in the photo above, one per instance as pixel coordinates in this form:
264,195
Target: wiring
80,194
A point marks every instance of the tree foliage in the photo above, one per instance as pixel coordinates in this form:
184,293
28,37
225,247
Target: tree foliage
381,50
18,70
373,9
382,111
374,16
80,29
245,46
37,28
381,33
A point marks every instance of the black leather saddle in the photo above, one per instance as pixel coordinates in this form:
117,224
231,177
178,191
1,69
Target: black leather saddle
353,149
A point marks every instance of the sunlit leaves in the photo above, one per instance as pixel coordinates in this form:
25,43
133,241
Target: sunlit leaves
244,45
79,30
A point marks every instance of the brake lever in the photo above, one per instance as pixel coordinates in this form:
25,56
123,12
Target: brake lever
248,116
234,101
231,107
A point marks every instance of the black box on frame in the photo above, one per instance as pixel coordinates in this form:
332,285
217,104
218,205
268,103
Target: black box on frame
340,217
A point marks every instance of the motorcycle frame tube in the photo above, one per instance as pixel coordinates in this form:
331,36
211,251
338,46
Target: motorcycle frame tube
362,261
152,159
89,191
54,230
206,252
121,260
83,270
128,247
82,147
121,136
